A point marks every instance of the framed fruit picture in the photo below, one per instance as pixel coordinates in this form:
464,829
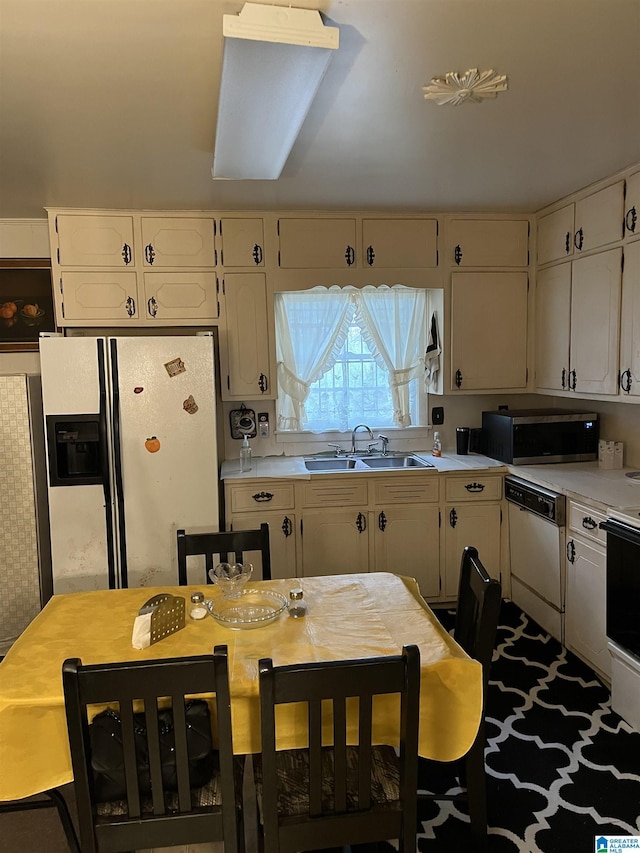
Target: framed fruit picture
26,303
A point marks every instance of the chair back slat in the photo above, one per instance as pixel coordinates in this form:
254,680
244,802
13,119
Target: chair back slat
129,755
222,544
315,756
365,716
340,753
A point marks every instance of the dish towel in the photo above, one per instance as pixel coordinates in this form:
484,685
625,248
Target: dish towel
432,356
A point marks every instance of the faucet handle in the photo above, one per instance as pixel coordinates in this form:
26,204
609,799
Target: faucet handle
338,449
372,447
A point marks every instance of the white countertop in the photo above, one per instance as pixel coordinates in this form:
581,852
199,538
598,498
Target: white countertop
584,479
293,466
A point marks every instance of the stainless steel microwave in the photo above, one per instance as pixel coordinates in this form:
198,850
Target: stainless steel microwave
530,436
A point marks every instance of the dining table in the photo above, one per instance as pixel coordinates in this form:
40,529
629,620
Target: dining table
349,616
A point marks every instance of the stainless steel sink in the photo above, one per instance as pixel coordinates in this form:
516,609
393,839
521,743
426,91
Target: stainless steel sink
396,462
334,464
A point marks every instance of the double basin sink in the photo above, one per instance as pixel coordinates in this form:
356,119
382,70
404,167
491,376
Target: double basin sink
362,463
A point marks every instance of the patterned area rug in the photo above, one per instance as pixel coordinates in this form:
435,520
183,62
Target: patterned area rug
562,767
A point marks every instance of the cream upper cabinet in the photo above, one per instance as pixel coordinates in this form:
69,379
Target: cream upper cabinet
400,243
553,325
488,242
97,296
590,223
181,295
595,323
244,344
632,206
316,243
488,321
93,241
599,218
240,242
555,235
630,322
178,241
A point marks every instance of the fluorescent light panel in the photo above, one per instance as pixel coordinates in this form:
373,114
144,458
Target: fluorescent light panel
274,60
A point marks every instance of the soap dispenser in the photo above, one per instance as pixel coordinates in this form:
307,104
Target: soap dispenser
437,445
245,455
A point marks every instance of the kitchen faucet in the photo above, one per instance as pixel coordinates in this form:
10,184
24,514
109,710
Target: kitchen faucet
353,436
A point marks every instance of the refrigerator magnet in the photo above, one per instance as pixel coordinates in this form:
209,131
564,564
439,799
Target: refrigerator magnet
190,405
138,389
175,367
152,444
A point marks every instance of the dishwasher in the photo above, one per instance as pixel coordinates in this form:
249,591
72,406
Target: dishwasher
536,550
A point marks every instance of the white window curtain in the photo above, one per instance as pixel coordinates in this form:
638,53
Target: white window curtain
394,324
311,327
310,331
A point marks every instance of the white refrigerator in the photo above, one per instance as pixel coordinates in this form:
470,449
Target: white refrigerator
131,455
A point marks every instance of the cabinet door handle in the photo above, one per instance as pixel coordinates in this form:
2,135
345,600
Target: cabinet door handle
149,254
371,256
361,522
257,254
573,379
571,551
453,518
349,255
287,526
126,254
457,255
262,497
475,487
382,521
578,239
567,243
152,306
625,381
631,220
588,523
564,378
262,383
458,379
130,306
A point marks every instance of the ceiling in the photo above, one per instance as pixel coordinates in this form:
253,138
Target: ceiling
112,103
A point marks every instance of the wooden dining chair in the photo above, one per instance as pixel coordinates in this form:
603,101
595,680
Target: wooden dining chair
477,614
222,544
339,794
151,815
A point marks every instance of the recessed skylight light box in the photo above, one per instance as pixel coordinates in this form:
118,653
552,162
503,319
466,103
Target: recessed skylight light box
273,63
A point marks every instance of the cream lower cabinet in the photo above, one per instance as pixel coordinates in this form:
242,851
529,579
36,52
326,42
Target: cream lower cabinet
272,502
334,525
405,526
629,381
586,593
472,516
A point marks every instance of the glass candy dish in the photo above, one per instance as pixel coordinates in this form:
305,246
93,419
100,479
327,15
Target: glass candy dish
251,608
231,577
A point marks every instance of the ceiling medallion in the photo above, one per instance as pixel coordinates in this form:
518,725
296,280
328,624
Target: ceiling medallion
454,88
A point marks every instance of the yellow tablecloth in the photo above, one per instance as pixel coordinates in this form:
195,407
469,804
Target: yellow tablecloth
350,616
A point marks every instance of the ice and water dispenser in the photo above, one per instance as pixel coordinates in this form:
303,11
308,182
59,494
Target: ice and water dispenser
75,450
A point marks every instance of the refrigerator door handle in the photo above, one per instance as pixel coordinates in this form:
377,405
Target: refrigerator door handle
117,462
104,464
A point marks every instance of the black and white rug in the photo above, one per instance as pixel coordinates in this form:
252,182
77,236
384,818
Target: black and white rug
562,767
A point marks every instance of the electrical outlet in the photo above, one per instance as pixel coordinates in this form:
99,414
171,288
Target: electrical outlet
263,424
437,415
